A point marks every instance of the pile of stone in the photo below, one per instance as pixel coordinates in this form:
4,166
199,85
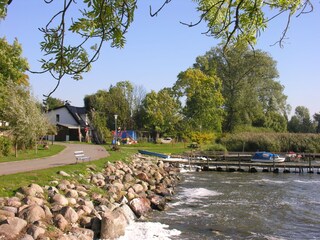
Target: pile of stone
98,208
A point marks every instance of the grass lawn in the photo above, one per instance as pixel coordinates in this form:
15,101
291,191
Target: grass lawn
31,154
9,184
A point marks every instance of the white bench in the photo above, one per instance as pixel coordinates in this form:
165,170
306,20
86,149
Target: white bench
79,155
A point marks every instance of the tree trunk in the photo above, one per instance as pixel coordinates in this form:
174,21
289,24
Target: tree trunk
16,150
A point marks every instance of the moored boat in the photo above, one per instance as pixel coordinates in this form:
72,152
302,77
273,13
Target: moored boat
267,157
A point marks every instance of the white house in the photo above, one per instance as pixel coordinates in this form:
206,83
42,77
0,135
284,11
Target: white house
72,123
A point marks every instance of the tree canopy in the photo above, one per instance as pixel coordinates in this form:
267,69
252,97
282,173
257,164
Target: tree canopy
204,101
249,87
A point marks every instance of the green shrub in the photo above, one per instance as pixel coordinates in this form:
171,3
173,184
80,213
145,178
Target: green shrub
202,137
216,147
5,146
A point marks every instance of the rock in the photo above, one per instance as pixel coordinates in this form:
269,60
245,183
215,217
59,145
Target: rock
13,202
157,176
32,213
36,188
63,173
113,225
72,201
69,214
12,227
81,233
72,194
26,237
30,200
52,191
143,176
27,191
82,194
138,188
60,200
162,191
85,221
158,202
140,206
60,222
14,210
128,177
47,212
128,213
35,231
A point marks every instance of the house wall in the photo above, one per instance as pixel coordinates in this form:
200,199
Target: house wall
65,116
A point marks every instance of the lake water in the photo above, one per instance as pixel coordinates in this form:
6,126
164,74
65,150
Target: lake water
223,205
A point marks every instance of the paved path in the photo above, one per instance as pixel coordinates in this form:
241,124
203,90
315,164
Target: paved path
65,157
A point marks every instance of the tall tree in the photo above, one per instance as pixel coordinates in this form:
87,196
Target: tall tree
27,123
316,118
203,104
160,112
301,122
52,102
249,85
13,66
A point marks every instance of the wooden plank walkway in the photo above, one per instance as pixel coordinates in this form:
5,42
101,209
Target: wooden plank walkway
303,166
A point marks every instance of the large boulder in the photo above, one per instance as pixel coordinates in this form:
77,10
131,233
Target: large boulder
113,224
59,199
69,214
35,231
32,213
158,202
12,227
60,222
140,206
81,234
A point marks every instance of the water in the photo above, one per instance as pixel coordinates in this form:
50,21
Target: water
215,205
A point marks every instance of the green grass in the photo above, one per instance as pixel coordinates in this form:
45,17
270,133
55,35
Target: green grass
31,154
9,184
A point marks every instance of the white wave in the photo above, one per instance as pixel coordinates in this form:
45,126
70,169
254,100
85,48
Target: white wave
197,193
267,237
270,181
149,231
191,212
307,181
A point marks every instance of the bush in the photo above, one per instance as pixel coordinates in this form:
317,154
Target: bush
216,147
5,146
202,137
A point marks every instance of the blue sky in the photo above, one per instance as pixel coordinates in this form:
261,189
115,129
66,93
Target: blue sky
159,48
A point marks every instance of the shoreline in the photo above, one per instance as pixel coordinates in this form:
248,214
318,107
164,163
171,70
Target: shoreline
100,205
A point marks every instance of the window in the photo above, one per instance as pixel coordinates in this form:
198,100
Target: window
57,118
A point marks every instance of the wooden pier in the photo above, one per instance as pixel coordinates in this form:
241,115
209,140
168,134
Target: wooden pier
308,166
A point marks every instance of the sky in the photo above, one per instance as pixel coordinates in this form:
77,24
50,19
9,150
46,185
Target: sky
158,49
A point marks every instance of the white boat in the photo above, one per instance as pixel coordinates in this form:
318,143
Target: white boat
267,157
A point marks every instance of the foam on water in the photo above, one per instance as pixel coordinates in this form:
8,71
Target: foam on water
270,181
197,193
307,181
149,231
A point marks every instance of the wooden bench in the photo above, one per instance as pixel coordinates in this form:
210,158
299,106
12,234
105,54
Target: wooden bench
79,155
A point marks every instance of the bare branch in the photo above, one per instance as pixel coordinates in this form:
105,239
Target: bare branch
156,13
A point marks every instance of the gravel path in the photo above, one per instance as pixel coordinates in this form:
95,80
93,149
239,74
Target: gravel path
65,157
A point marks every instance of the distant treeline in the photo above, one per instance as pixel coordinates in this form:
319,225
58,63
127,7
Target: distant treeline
275,142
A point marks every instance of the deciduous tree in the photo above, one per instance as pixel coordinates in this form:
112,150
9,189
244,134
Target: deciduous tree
160,113
249,86
203,99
